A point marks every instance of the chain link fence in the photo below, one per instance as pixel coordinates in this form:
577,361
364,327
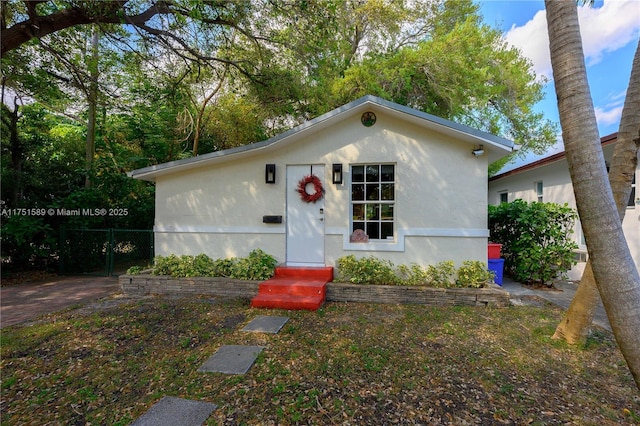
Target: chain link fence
104,251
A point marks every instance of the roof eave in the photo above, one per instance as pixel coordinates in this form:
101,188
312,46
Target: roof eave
604,141
495,147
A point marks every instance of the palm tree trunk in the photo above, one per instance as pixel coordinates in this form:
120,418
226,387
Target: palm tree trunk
578,318
576,322
616,275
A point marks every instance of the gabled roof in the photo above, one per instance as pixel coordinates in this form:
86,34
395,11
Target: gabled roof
495,147
604,141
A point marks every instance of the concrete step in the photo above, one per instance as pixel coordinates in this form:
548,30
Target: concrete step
287,301
311,273
293,287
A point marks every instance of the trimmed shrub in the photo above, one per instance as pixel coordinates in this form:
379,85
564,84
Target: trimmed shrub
438,275
257,266
535,239
371,270
474,273
368,270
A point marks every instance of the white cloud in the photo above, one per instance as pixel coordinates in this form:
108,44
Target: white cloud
608,116
604,29
609,28
533,41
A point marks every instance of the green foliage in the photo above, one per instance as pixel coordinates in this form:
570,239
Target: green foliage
43,169
166,265
465,73
535,239
368,270
134,270
258,266
474,274
438,275
371,270
26,240
413,274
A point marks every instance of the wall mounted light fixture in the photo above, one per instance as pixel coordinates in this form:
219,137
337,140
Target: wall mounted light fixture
270,173
337,174
478,151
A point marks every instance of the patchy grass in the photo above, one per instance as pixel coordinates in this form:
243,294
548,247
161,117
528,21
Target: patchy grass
344,364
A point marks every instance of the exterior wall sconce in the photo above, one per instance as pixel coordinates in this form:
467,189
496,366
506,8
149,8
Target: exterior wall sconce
270,173
337,174
478,151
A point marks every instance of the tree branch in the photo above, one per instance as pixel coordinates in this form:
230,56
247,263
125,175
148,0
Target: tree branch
110,12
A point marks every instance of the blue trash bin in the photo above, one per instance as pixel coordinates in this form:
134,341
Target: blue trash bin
497,266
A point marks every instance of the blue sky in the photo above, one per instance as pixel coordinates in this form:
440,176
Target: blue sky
610,31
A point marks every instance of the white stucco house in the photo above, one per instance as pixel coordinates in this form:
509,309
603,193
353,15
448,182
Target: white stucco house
548,180
414,186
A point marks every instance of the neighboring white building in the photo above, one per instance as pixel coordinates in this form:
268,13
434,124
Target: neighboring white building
414,183
548,180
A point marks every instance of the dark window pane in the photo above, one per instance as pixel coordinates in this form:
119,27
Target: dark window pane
632,198
357,174
373,211
372,192
388,191
372,173
387,173
358,212
387,212
371,184
372,230
387,230
357,192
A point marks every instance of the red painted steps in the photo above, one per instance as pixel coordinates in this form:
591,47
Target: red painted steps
294,288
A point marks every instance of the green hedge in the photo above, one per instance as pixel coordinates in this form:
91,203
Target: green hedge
535,238
371,270
258,266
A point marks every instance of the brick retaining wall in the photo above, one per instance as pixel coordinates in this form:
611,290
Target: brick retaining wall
141,285
492,296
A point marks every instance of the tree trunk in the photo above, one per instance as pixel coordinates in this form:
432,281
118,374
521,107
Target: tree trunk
92,98
10,119
613,267
576,322
579,316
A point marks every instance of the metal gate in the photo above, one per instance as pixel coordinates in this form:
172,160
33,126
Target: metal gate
104,251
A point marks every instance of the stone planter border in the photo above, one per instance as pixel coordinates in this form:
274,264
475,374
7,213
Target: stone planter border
143,284
491,296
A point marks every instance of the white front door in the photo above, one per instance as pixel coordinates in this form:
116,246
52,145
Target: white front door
305,220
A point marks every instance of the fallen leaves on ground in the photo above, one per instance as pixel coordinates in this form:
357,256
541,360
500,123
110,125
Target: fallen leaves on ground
348,363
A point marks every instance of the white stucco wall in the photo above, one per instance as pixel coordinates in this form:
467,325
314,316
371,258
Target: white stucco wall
440,210
558,189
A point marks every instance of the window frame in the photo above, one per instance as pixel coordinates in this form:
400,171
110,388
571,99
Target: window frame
538,187
631,203
377,205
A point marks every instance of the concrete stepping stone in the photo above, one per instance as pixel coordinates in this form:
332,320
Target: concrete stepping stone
266,324
231,359
171,411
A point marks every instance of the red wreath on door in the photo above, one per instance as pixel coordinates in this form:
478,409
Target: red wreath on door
317,187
